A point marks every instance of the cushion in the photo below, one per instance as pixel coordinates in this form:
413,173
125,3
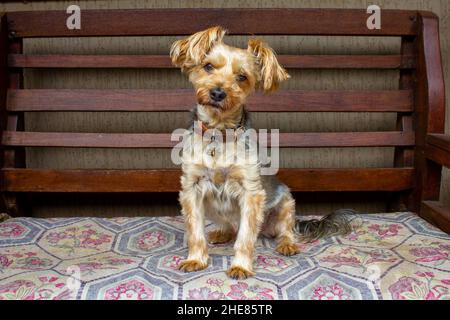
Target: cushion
387,256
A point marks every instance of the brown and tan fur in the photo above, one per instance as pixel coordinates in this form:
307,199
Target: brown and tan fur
234,195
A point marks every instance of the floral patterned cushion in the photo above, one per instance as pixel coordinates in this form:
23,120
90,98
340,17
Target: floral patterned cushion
388,256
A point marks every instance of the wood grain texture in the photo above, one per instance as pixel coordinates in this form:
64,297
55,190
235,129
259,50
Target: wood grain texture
187,21
3,90
430,108
3,81
438,155
164,180
161,61
404,157
159,122
164,140
436,214
16,205
439,140
184,100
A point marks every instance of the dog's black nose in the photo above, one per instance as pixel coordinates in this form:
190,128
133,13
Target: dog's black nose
217,94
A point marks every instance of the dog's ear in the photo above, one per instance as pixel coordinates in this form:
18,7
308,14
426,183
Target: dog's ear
190,51
271,72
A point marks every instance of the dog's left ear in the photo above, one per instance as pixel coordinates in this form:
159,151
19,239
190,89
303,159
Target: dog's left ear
271,72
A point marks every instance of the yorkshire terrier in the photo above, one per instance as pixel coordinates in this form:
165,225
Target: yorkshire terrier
233,194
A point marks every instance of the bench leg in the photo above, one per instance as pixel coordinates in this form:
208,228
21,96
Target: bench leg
15,205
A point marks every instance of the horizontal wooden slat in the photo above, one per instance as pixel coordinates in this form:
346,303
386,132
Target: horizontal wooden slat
347,61
89,61
310,180
167,180
88,140
163,140
187,21
184,100
344,139
161,61
439,140
31,180
438,155
436,214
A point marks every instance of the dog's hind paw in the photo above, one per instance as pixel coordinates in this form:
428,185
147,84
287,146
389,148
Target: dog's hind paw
239,273
192,265
287,249
219,236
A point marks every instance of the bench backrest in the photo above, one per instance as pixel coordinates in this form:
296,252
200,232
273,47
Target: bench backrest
418,102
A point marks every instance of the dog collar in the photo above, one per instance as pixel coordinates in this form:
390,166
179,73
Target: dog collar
237,130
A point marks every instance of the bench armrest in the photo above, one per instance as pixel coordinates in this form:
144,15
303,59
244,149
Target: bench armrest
438,149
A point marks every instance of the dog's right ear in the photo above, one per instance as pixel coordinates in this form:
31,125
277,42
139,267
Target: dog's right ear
189,52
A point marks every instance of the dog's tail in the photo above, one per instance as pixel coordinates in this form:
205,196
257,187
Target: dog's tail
336,223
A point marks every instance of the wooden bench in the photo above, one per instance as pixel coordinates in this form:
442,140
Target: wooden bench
421,148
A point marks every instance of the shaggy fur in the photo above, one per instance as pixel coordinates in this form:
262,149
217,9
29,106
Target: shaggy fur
232,193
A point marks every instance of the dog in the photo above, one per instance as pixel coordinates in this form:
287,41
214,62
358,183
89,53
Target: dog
232,193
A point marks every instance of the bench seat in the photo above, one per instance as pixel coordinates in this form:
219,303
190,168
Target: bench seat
388,256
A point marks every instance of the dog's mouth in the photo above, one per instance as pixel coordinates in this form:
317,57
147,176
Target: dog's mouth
215,104
212,103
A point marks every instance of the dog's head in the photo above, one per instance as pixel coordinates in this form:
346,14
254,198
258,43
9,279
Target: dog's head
224,76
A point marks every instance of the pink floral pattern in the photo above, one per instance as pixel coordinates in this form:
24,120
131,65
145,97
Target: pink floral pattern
244,291
205,293
77,240
171,262
343,257
330,292
436,253
421,286
271,263
105,264
131,290
306,246
10,230
34,263
426,251
385,230
150,240
377,234
4,262
97,266
216,288
88,239
392,256
42,288
18,260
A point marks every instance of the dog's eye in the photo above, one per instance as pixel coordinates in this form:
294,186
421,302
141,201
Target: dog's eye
208,67
241,78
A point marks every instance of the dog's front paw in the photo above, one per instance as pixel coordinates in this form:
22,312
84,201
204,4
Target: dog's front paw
287,249
239,273
192,265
